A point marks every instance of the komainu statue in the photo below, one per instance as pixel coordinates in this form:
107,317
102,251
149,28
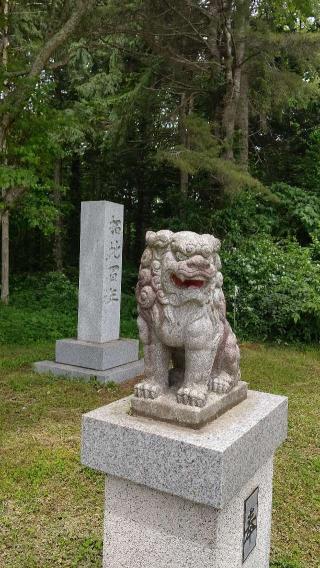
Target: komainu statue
187,339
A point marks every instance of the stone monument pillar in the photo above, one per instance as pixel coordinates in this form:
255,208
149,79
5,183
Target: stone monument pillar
98,350
189,457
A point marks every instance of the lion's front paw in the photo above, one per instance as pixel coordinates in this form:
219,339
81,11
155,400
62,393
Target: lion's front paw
193,396
147,390
221,384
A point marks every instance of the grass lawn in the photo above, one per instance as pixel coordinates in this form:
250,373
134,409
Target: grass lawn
51,508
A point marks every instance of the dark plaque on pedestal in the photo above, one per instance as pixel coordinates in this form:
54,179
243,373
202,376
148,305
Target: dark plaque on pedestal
250,527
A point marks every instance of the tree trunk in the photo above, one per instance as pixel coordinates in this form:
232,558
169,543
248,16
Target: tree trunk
233,59
184,177
129,207
5,253
228,113
140,222
5,258
5,244
58,234
212,41
243,121
73,225
186,108
230,109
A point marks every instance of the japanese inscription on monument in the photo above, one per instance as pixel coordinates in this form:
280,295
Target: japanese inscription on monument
113,256
250,524
100,271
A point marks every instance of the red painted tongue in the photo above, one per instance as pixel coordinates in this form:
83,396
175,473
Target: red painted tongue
186,283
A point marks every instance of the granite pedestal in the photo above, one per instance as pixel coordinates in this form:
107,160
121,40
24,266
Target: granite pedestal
183,498
166,408
98,350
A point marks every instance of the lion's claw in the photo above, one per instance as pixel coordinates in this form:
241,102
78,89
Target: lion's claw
221,384
147,390
192,396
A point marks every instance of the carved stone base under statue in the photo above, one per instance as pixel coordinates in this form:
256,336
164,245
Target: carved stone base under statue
167,409
178,497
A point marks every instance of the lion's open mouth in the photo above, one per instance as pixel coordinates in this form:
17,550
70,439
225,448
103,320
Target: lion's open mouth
187,283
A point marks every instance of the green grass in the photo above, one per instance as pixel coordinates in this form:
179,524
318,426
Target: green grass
51,507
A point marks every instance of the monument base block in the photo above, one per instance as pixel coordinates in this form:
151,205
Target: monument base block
178,497
115,361
167,409
118,374
98,356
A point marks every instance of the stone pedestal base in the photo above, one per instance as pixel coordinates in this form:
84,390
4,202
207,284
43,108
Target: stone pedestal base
117,375
183,498
167,409
98,356
116,361
145,528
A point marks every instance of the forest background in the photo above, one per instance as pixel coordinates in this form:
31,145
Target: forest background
195,114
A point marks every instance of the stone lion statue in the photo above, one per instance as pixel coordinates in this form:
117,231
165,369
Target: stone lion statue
182,319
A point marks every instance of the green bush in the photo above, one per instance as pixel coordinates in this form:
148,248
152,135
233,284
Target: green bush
271,254
273,289
40,291
43,307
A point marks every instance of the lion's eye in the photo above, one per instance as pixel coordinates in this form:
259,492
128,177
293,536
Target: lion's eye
180,255
190,248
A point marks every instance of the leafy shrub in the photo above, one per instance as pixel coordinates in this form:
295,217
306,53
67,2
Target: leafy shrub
44,307
40,291
298,212
278,288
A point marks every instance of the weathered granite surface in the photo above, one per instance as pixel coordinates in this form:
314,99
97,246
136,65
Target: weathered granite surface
100,271
182,318
145,528
117,374
208,466
98,356
166,408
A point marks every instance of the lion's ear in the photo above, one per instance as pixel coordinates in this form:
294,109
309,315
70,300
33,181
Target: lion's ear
160,239
215,244
163,238
150,238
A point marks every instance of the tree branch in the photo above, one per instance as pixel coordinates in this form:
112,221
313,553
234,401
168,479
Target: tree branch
57,40
56,65
189,22
200,8
61,36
